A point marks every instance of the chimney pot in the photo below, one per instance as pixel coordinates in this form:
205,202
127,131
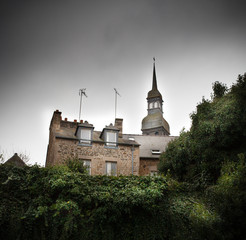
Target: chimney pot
65,119
75,120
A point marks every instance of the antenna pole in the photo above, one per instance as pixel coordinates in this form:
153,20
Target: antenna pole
116,93
81,93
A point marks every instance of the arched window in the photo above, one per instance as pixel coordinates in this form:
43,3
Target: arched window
156,105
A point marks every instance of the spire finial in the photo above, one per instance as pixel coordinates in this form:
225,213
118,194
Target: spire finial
154,59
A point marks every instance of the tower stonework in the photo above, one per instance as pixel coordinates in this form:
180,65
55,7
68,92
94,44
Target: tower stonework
154,123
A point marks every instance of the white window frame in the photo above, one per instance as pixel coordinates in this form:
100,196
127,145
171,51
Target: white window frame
111,139
109,170
87,164
85,139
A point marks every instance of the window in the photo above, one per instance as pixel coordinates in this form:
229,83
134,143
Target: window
85,136
87,164
84,133
111,168
151,105
111,139
156,152
156,104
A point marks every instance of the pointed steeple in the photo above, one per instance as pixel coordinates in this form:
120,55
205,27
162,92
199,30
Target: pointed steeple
154,93
154,123
154,84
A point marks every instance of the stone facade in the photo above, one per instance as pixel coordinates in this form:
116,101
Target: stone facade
63,145
151,147
148,166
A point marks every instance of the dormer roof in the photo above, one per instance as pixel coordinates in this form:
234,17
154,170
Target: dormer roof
111,127
84,125
68,133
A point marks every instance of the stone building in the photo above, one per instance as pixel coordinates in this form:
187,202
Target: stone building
103,152
110,151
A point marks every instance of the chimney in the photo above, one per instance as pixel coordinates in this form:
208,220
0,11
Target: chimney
56,120
119,124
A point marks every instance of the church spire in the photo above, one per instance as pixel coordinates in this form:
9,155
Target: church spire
154,93
154,84
154,123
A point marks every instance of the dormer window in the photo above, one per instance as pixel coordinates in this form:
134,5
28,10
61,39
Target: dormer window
111,139
85,136
110,136
84,133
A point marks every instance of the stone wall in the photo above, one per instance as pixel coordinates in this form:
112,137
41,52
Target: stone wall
63,145
147,166
98,154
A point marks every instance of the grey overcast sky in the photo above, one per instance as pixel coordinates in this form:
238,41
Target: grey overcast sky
51,49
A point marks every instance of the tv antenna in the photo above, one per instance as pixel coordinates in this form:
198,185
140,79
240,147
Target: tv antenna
116,93
81,93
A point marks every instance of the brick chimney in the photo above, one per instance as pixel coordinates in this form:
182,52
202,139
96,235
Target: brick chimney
119,124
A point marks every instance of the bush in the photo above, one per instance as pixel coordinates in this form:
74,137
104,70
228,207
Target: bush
57,203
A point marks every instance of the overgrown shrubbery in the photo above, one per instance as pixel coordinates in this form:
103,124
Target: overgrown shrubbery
60,203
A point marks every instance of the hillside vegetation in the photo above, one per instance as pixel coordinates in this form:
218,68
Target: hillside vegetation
201,195
210,157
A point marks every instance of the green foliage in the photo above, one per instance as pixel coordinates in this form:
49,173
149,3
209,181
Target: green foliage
229,198
76,165
219,89
218,132
57,203
170,161
210,160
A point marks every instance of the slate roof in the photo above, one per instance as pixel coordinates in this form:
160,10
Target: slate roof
155,120
69,133
154,93
149,143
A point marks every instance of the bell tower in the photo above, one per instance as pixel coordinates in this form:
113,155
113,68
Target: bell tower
154,123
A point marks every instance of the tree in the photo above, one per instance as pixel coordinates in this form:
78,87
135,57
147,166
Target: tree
218,132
